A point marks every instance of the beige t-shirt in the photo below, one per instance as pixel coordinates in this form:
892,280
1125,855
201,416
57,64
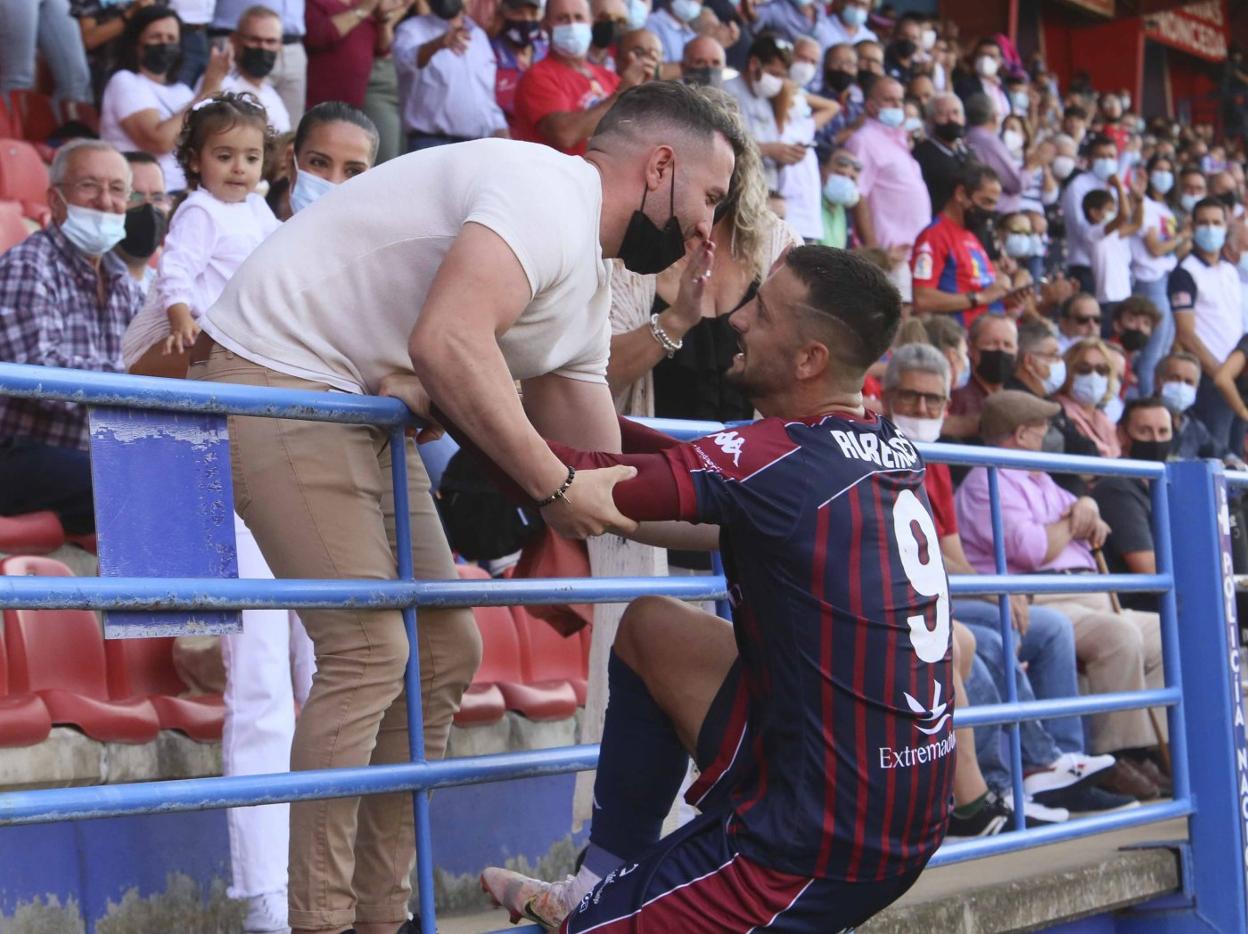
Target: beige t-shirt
333,294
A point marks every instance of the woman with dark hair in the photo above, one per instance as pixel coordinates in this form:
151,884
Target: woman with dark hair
143,106
333,143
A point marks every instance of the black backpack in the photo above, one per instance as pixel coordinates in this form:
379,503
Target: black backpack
481,523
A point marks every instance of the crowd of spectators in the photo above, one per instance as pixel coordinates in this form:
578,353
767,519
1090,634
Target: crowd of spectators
1076,274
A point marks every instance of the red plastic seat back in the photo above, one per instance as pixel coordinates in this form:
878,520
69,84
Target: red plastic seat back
31,533
500,646
13,229
141,667
547,655
24,178
52,649
35,114
10,124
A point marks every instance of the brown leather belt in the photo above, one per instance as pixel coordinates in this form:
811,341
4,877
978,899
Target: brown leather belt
202,348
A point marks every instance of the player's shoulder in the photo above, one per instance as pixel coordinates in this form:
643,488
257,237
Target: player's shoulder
868,445
742,452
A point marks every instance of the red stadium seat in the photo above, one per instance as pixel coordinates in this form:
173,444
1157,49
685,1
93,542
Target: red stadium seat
144,668
10,125
24,720
24,178
32,533
548,658
34,112
13,229
59,655
481,703
501,665
78,112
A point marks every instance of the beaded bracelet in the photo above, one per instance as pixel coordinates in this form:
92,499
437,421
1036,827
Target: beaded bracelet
559,493
669,346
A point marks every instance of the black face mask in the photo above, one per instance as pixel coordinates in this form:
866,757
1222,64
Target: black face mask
975,218
705,77
1151,450
145,229
837,81
521,33
865,80
646,249
159,59
1133,339
257,63
903,49
602,34
446,9
1227,198
949,132
995,366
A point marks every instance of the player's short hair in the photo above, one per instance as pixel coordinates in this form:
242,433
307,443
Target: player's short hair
912,358
669,105
853,294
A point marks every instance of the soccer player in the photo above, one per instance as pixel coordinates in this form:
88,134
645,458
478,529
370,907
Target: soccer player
821,718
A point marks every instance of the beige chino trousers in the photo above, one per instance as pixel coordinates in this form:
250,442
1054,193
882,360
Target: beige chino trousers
318,498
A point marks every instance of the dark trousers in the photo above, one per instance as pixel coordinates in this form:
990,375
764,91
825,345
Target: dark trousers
194,55
37,476
1211,408
418,140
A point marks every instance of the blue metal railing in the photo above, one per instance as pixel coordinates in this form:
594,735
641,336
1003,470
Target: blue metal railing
97,389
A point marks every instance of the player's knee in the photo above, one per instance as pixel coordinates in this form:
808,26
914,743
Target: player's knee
640,627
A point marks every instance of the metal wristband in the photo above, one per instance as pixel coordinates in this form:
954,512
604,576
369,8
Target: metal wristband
559,493
669,346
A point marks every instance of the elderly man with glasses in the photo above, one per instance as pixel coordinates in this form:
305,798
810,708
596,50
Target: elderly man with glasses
65,301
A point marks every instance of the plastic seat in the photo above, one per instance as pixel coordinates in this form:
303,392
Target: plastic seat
481,703
10,125
35,114
59,655
80,112
24,178
13,229
501,665
24,720
32,533
144,668
548,658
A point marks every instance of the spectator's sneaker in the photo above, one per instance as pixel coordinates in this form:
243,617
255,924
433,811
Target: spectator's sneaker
992,817
1037,814
266,914
547,903
1068,769
1086,798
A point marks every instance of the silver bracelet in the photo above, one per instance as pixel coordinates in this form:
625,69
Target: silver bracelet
669,346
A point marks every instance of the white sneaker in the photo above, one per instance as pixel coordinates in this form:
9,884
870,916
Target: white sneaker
266,914
547,903
1039,813
1069,769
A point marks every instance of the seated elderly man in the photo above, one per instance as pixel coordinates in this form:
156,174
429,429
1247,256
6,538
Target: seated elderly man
65,301
702,62
1050,531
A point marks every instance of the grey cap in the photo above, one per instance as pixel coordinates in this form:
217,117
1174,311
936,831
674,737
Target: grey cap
1008,409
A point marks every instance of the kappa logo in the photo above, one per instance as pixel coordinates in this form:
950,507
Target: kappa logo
730,443
936,714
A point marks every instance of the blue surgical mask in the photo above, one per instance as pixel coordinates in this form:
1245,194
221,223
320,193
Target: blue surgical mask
854,16
1188,202
1104,168
964,373
686,10
1179,396
307,189
1018,245
1089,388
912,125
638,13
892,117
1161,180
91,231
1209,239
572,39
1056,378
1021,102
842,190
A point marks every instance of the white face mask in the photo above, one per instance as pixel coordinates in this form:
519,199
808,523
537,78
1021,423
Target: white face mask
308,189
768,85
1013,140
923,430
93,232
1089,388
987,66
929,39
802,73
1056,378
1063,166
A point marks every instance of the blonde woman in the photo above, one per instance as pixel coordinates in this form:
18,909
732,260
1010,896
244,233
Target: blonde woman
671,341
1091,381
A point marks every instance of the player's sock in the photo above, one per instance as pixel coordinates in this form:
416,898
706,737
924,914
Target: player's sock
640,767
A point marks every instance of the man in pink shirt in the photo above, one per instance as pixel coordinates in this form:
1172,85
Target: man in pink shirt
1048,530
895,205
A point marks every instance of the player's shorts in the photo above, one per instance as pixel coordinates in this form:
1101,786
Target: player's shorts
696,882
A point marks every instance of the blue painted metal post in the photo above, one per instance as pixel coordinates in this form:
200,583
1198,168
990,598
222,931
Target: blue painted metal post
411,681
1007,651
723,608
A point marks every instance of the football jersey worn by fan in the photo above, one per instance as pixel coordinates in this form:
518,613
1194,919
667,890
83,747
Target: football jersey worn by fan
951,258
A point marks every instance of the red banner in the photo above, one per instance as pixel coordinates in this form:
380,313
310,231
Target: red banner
1199,29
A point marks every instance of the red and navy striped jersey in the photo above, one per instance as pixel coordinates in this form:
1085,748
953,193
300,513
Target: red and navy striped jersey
842,745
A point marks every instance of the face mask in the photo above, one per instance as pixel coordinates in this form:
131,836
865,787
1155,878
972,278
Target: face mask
646,249
93,232
686,10
1151,450
912,125
1021,102
929,39
1089,388
1113,409
995,366
843,190
964,373
892,117
145,229
521,33
307,189
1188,202
1179,396
602,34
1161,180
837,81
1209,239
1013,140
705,77
1227,198
1105,167
987,66
1063,166
864,79
949,132
638,13
1018,245
802,73
1056,378
923,430
257,63
768,85
903,49
974,217
572,39
1133,339
158,59
1037,245
853,16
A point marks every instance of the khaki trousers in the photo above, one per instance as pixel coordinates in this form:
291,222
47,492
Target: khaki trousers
318,498
1118,652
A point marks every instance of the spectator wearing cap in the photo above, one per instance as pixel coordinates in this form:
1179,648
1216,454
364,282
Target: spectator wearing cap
790,21
1103,163
560,99
755,91
520,43
1079,318
446,81
895,205
702,62
1048,530
942,153
982,119
840,193
992,344
289,75
257,42
639,48
65,301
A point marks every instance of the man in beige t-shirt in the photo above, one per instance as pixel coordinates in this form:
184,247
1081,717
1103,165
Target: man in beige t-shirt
442,277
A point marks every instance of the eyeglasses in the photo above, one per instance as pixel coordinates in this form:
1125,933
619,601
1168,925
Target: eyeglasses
158,199
91,189
1084,369
910,398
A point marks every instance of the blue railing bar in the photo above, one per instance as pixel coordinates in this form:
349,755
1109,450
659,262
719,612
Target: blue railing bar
1052,708
1007,645
974,456
194,794
959,851
681,429
1170,653
993,584
1237,477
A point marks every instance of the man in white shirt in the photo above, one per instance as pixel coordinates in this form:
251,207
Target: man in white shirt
496,273
290,74
754,91
849,23
257,40
447,70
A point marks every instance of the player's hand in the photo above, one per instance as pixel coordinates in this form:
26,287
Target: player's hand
1084,515
588,507
408,389
1020,615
